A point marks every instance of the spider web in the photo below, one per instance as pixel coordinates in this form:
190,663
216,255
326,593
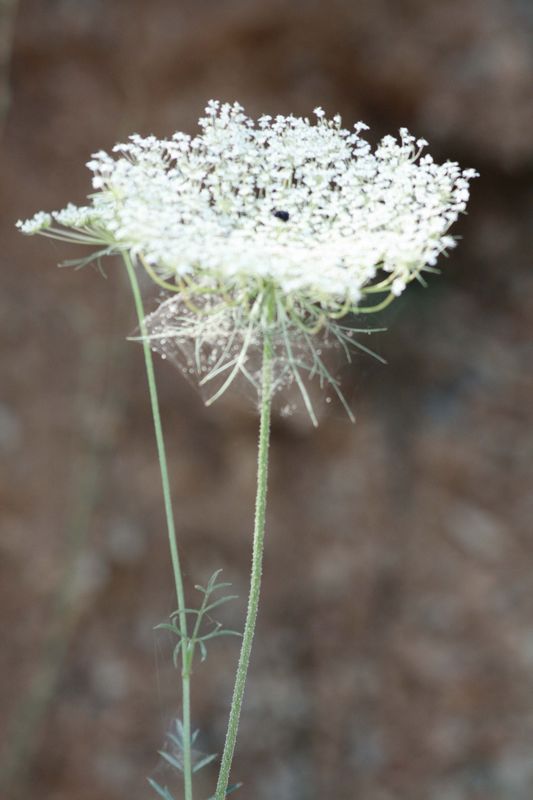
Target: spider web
215,343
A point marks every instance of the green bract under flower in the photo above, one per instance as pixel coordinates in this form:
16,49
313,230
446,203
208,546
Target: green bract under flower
278,220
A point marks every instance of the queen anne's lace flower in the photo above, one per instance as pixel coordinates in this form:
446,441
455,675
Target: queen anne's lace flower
303,218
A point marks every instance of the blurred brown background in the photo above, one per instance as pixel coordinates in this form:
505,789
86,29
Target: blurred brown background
395,651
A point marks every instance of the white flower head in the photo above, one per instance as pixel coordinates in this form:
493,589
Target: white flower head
284,224
40,222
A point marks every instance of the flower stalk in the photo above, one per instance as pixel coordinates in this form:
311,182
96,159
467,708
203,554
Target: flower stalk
256,571
171,528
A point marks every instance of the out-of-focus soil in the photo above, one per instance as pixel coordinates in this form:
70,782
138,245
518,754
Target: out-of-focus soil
394,658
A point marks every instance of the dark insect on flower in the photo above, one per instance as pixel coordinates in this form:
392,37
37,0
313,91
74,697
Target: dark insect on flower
283,215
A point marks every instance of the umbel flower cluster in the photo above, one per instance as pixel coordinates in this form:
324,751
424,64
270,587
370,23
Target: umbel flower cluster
281,225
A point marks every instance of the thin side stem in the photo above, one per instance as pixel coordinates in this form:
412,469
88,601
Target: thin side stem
255,579
171,528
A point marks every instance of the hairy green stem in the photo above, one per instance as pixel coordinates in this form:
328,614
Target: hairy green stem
178,580
255,579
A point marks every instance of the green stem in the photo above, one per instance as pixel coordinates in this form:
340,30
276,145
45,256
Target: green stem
178,580
255,579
